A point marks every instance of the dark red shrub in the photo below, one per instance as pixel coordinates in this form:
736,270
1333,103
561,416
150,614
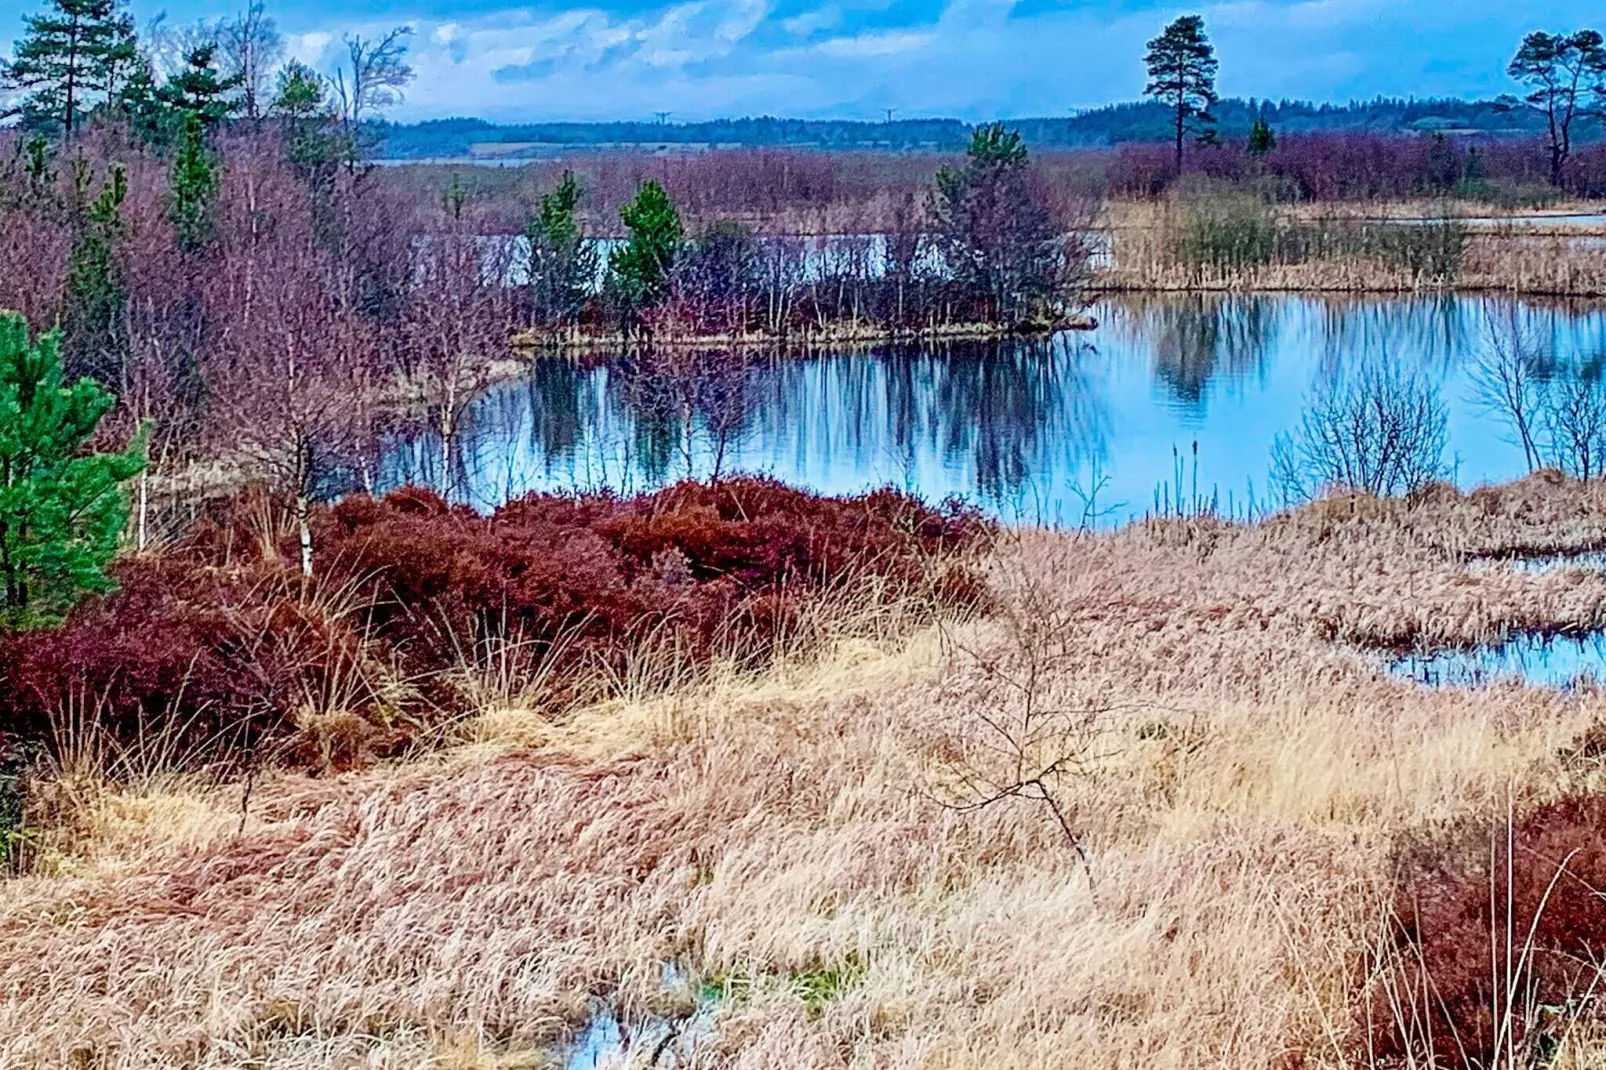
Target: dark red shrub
599,572
1501,933
221,642
209,658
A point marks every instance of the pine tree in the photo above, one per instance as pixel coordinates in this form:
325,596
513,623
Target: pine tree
62,509
93,320
192,187
641,267
1563,73
1182,75
199,89
144,112
70,59
307,120
563,261
1262,139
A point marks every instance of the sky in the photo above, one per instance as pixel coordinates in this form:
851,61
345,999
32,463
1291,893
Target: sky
968,59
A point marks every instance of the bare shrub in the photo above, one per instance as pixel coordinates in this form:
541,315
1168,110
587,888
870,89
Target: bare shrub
1507,385
1555,412
1380,431
1024,735
1576,420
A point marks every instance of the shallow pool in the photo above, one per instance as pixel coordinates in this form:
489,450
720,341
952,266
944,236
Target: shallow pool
1543,661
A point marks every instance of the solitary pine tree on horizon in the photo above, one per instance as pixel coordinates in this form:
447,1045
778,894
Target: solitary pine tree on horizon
1182,75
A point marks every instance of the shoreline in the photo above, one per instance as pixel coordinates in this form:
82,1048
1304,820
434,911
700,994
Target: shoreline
580,343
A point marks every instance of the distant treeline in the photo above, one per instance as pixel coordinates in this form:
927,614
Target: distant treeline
1116,124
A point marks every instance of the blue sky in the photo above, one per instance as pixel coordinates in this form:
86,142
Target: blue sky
974,59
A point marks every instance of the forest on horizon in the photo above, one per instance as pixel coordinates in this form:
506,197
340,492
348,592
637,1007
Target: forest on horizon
1111,125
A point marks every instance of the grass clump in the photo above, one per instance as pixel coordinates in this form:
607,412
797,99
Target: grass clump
822,985
1236,235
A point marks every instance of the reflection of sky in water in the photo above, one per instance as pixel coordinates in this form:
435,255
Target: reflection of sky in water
1019,426
1544,662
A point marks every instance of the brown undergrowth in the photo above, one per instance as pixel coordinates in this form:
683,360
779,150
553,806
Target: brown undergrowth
1240,777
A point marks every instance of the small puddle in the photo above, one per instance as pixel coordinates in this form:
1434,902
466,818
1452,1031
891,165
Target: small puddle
1558,661
1589,560
606,1043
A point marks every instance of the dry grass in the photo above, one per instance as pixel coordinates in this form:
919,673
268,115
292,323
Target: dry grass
1247,771
1558,258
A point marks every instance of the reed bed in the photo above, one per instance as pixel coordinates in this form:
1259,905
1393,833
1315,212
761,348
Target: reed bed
1227,242
797,840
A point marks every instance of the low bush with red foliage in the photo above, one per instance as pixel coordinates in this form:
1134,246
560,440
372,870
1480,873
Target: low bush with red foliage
1499,942
219,639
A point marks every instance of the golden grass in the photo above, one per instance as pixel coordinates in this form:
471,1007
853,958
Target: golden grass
1248,769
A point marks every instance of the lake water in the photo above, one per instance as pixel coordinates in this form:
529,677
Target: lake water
1170,398
1542,661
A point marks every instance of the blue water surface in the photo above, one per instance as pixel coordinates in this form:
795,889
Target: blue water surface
1171,399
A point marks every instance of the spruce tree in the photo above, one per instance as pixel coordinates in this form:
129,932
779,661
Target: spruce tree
71,58
1182,75
192,187
1262,139
563,261
62,509
642,265
93,319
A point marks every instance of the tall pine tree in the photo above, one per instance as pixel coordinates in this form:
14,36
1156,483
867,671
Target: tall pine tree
71,59
1565,74
1182,75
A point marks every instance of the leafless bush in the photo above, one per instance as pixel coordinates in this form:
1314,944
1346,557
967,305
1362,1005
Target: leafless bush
1556,413
1576,420
1506,385
1026,736
1381,431
693,406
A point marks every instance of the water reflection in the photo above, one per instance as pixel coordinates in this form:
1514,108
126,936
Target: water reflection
1198,338
1032,430
1543,661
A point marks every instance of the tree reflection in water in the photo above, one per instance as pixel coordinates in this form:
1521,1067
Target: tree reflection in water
1197,338
1019,427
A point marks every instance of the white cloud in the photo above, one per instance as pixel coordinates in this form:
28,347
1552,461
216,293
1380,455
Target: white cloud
972,59
309,48
822,18
867,45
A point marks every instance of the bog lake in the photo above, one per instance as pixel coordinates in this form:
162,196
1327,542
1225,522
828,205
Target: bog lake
1171,403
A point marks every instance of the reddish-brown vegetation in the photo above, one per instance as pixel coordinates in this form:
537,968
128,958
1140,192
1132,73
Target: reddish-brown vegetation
220,641
1501,929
